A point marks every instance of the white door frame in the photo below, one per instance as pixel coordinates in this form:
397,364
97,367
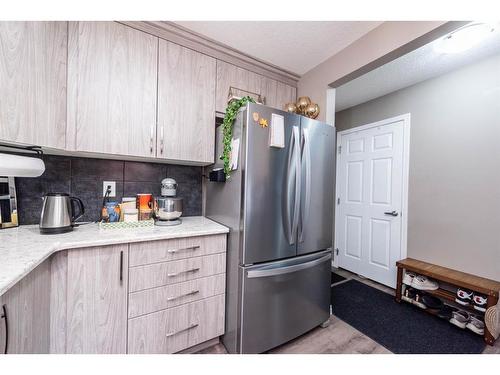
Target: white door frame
406,167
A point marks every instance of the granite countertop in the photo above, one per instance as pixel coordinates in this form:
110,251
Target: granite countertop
23,248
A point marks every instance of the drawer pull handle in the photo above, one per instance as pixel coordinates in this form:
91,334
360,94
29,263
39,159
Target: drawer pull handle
173,251
182,272
183,295
183,330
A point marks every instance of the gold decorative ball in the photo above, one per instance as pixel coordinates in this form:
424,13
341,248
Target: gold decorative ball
302,103
312,110
291,107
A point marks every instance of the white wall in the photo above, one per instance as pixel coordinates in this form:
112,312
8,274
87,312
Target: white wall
382,40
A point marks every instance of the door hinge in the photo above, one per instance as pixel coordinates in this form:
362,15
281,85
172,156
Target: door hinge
338,200
340,149
337,251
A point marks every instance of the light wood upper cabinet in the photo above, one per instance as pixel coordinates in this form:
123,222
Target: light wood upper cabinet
274,93
33,83
89,300
112,84
186,104
27,306
229,75
285,94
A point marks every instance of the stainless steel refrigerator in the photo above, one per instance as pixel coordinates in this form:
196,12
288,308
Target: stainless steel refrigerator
278,204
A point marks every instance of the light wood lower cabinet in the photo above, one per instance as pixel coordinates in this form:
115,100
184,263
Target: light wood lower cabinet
26,307
92,284
164,297
143,253
167,273
178,328
33,83
91,300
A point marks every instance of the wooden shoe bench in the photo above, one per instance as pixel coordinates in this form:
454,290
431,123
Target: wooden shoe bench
457,279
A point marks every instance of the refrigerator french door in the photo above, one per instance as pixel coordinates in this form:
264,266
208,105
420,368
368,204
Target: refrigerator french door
278,204
282,300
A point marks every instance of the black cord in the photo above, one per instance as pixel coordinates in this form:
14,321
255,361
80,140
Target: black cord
106,197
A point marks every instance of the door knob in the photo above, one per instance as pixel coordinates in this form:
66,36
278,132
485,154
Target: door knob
392,213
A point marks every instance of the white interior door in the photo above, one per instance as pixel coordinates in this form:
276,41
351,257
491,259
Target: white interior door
372,180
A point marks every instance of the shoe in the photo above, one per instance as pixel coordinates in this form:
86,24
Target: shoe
480,302
432,303
408,295
446,312
476,325
408,278
423,283
460,318
464,296
417,301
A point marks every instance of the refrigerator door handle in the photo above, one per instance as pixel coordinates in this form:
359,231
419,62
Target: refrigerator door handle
296,211
307,160
287,203
293,181
284,270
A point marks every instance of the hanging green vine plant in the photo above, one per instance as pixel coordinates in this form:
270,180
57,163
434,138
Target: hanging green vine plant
227,129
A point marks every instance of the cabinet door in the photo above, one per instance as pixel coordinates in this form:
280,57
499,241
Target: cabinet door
33,83
285,94
112,72
229,75
96,320
269,88
186,104
27,306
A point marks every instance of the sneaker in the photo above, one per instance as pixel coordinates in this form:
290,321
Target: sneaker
408,294
476,325
408,278
446,312
423,283
460,318
464,296
417,301
480,302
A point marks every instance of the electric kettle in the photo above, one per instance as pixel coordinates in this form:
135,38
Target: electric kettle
59,213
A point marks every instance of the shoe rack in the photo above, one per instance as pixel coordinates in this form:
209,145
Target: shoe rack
457,279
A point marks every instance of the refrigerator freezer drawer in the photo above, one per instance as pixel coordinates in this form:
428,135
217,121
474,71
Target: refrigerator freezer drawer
282,300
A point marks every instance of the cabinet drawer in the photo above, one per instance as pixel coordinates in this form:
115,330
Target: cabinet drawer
179,248
178,328
166,273
156,299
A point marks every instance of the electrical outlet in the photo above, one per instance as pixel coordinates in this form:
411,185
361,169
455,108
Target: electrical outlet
105,185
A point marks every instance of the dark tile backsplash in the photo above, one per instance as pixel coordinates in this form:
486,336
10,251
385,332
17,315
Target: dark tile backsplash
83,177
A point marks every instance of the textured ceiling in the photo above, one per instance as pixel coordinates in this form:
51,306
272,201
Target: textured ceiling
296,46
417,66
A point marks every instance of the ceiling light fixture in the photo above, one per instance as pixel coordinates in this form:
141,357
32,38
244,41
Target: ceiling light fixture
464,38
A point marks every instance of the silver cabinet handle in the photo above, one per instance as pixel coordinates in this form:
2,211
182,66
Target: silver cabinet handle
161,140
183,272
151,140
173,251
307,204
183,330
192,293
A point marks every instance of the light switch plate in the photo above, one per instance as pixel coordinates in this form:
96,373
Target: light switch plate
105,185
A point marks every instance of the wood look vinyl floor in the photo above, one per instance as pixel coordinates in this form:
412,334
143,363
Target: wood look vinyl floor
338,338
